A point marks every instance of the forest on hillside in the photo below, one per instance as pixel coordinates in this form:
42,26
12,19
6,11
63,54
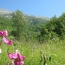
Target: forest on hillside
23,27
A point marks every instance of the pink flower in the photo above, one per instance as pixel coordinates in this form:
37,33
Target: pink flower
21,57
17,62
3,33
12,56
6,41
17,57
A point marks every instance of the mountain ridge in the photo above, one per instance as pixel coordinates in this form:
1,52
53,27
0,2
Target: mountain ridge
7,13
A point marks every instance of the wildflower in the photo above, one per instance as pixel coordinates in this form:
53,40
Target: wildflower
3,33
17,57
6,41
0,50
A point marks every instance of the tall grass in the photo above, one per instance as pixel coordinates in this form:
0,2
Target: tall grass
50,52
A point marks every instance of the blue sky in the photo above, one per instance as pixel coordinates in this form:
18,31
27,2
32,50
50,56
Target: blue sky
47,8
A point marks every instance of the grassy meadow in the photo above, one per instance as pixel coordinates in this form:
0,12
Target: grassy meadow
51,52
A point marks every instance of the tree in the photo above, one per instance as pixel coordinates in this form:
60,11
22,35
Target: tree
60,25
19,24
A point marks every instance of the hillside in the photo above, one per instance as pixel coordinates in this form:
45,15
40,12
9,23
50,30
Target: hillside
30,18
6,13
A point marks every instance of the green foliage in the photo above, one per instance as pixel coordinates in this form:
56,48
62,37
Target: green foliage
19,24
56,26
51,34
24,27
50,52
5,23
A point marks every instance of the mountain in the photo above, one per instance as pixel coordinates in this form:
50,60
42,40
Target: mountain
32,19
6,13
36,20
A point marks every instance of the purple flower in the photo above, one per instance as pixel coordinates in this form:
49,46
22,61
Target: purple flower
17,57
3,33
9,42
